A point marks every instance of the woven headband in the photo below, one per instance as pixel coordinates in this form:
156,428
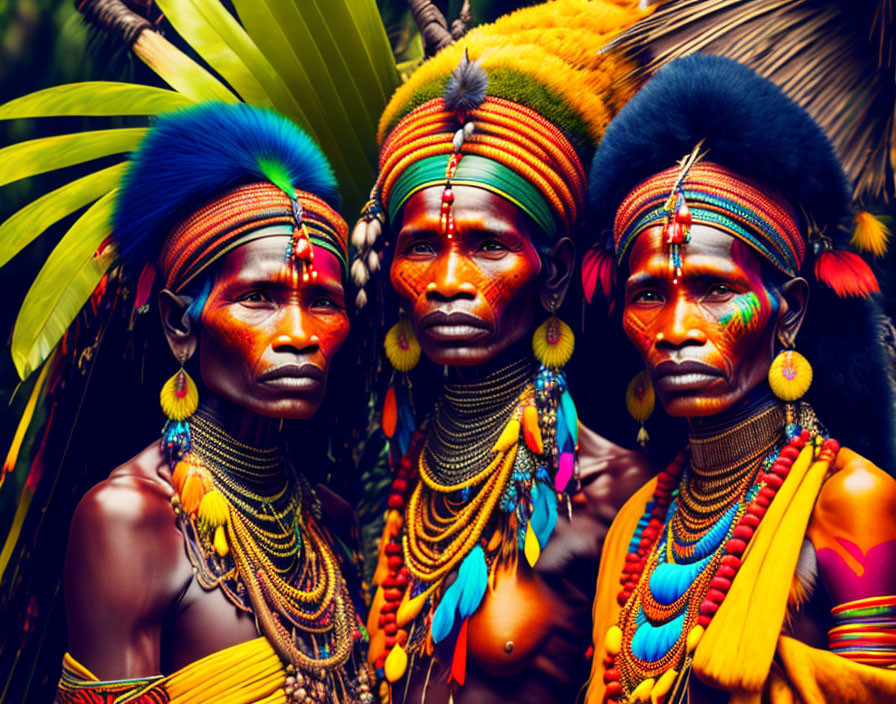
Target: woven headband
244,214
513,151
718,197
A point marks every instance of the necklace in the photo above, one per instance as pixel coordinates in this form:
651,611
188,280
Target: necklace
687,551
479,484
253,529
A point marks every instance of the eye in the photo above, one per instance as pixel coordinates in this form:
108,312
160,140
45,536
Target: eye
420,247
647,296
720,291
492,246
324,302
254,296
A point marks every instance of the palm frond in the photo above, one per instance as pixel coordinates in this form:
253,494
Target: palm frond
21,228
94,98
38,156
63,286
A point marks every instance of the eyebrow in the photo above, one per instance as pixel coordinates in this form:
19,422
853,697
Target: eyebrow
469,231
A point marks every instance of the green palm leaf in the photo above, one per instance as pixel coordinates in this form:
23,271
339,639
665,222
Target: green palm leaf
94,98
180,71
63,286
37,156
31,221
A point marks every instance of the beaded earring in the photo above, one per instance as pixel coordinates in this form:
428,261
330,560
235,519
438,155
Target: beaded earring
639,401
179,399
403,353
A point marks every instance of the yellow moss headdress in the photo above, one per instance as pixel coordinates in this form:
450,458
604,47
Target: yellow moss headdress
515,107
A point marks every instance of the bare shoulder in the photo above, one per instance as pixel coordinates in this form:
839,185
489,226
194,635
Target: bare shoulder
610,474
857,488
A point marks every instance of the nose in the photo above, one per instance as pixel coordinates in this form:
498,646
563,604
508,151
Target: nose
293,332
679,325
449,280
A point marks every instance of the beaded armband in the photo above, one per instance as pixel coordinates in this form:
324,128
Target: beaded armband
865,631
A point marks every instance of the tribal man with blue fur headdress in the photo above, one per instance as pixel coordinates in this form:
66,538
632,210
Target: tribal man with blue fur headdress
207,568
720,577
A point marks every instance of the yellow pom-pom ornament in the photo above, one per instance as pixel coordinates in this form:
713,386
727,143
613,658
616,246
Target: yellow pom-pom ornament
213,509
402,347
553,343
179,397
790,375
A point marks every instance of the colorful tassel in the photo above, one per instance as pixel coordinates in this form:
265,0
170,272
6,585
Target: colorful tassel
213,509
598,267
179,397
193,491
390,413
870,234
402,347
846,273
531,430
565,468
553,343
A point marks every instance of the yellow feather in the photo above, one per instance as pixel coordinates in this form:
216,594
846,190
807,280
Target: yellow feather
396,663
13,454
213,509
509,436
870,234
531,547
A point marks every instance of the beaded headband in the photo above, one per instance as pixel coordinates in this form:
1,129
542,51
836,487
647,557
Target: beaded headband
248,213
711,194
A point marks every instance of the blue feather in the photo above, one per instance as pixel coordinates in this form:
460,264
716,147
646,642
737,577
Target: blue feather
544,512
190,156
465,89
443,618
570,416
473,576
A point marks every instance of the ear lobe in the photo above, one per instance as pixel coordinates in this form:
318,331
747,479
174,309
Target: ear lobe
795,298
180,330
559,270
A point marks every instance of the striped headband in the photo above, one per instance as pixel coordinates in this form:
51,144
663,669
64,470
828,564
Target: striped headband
754,214
244,214
512,151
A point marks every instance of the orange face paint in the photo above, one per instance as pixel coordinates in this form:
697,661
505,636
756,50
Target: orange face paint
266,344
708,339
475,294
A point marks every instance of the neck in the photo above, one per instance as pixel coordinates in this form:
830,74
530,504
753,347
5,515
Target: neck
245,426
519,350
740,436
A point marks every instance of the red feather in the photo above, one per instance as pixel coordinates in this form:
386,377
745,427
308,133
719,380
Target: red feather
459,661
846,272
144,286
598,266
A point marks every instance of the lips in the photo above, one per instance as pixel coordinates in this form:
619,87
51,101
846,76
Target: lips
456,325
294,377
684,376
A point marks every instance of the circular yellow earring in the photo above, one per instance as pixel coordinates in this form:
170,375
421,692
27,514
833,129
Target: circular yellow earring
179,397
553,343
790,375
402,347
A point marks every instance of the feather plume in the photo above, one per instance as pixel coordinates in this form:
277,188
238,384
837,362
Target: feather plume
846,273
598,267
870,234
465,89
234,144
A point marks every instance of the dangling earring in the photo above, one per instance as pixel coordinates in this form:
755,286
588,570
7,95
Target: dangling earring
179,399
553,341
639,401
403,353
790,377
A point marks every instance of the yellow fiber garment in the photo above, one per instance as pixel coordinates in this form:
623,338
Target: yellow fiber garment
248,673
742,651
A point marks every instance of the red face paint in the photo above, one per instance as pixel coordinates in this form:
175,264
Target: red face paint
266,344
708,339
474,295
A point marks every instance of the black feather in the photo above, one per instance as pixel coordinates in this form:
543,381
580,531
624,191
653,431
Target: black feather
465,89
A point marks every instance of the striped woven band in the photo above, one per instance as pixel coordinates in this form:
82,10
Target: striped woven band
865,631
244,214
534,160
718,197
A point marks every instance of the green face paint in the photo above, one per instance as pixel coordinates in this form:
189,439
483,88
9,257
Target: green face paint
746,311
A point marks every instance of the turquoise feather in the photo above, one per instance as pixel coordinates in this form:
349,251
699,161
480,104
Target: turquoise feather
443,618
544,512
669,580
650,643
473,578
570,416
563,437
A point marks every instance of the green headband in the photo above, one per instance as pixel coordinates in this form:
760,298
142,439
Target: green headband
476,171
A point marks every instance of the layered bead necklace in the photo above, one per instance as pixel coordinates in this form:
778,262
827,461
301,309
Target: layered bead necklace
687,549
496,443
253,529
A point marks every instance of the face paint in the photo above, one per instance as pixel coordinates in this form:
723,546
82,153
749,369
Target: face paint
475,294
266,344
708,339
